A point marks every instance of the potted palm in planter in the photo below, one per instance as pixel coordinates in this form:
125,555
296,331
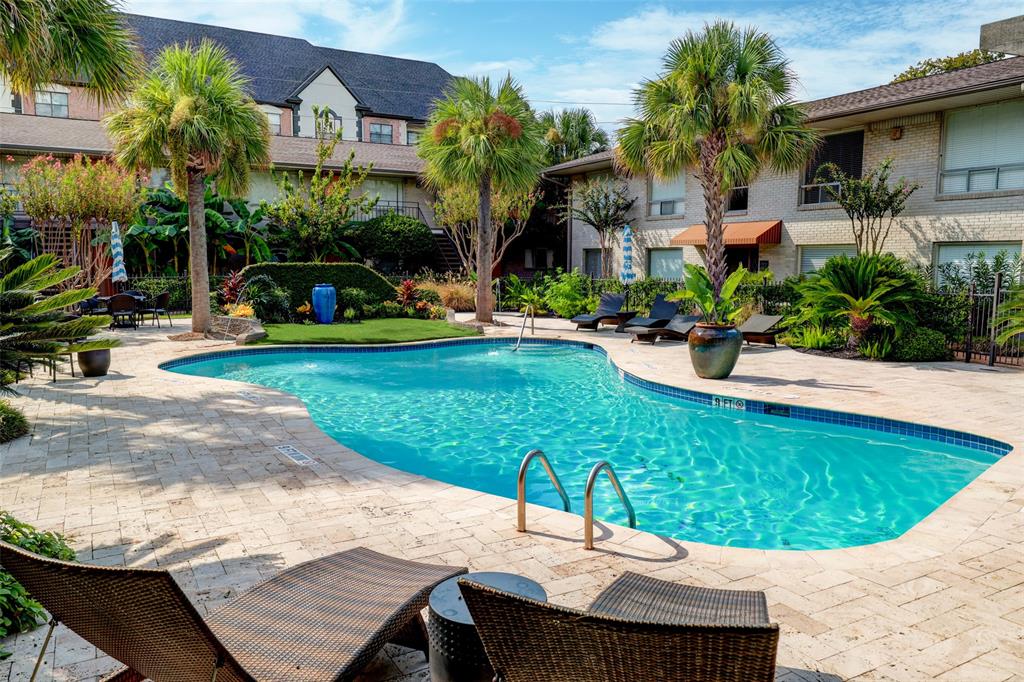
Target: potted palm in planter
714,342
724,107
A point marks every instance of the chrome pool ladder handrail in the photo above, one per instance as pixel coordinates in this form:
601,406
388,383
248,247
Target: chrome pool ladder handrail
588,501
521,486
528,313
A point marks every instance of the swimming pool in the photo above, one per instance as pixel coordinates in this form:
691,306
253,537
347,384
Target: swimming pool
747,475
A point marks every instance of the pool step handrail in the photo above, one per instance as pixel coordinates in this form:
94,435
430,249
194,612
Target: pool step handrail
528,313
588,501
521,486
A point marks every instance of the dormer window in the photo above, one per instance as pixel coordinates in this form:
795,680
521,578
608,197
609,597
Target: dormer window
381,133
50,103
274,121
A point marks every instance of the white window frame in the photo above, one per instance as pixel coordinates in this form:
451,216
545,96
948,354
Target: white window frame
970,171
413,136
272,124
678,202
659,249
44,98
380,133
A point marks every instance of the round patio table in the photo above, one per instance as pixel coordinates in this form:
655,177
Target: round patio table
456,653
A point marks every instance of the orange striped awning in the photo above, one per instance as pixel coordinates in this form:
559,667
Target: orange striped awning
736,234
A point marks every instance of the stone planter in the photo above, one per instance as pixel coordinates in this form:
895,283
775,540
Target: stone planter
714,349
94,363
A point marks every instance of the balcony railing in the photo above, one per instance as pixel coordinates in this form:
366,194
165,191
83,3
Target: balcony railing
410,209
982,178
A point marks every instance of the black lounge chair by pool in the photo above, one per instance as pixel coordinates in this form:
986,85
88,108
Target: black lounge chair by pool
677,329
761,329
638,628
607,310
661,314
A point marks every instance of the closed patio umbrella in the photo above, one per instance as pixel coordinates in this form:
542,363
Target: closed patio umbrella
626,275
118,274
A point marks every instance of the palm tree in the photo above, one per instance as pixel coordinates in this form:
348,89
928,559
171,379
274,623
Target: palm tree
571,134
192,114
487,139
42,41
723,104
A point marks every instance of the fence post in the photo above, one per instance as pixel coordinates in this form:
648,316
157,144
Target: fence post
969,341
995,311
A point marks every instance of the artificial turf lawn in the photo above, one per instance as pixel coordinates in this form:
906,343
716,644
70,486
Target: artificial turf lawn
388,330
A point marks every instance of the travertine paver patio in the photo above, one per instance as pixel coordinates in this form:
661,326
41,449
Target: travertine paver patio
148,468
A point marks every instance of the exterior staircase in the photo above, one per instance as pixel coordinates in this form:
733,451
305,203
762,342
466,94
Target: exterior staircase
448,257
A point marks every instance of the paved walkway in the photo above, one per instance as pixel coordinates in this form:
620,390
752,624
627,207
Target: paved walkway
149,468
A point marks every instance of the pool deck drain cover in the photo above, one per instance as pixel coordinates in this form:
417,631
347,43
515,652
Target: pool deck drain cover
295,455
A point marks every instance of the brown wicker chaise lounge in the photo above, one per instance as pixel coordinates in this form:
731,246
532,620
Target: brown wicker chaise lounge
639,628
321,620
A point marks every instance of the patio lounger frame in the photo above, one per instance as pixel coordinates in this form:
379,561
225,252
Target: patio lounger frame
321,620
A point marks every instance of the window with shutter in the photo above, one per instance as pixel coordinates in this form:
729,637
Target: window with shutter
813,257
984,148
845,150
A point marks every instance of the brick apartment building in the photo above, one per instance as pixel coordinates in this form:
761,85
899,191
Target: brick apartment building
380,103
960,135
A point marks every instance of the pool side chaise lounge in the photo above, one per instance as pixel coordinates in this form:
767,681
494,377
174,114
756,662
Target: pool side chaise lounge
761,329
638,628
607,310
661,314
321,620
677,329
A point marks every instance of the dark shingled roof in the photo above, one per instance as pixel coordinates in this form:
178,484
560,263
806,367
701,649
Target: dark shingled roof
279,67
983,77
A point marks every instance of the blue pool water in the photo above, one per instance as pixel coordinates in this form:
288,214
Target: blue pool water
467,413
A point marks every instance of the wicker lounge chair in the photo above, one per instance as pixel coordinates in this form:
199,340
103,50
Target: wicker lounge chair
761,329
607,310
661,314
677,329
321,620
639,628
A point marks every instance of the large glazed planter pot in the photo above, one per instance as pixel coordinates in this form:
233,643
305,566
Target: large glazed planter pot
94,363
324,302
714,350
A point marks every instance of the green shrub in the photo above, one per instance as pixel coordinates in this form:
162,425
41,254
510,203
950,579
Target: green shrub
920,345
394,242
569,295
298,279
179,289
876,349
816,337
429,295
12,422
18,611
353,298
270,302
392,309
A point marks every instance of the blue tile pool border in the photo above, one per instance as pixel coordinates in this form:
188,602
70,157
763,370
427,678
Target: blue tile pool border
785,410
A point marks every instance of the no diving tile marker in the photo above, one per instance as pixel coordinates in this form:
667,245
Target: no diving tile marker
295,455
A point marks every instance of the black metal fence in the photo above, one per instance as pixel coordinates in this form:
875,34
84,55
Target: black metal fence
982,327
179,287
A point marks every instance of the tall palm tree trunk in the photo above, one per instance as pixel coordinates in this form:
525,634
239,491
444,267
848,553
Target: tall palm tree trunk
197,253
484,254
714,208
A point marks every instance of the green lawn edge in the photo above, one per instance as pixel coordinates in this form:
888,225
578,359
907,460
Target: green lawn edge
388,330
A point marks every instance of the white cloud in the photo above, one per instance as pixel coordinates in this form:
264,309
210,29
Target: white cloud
359,25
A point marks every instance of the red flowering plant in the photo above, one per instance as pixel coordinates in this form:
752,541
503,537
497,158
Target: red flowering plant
407,292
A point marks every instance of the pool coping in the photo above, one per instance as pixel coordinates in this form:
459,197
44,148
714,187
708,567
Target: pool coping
716,401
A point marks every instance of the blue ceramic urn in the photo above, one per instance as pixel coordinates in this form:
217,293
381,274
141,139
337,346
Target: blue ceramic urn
324,301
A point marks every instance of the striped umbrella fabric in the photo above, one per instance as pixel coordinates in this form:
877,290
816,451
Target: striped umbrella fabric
627,275
118,274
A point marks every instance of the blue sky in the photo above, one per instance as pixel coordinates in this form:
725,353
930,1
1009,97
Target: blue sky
595,53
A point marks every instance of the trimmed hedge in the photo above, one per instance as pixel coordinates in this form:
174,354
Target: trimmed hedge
298,279
394,242
12,422
920,345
